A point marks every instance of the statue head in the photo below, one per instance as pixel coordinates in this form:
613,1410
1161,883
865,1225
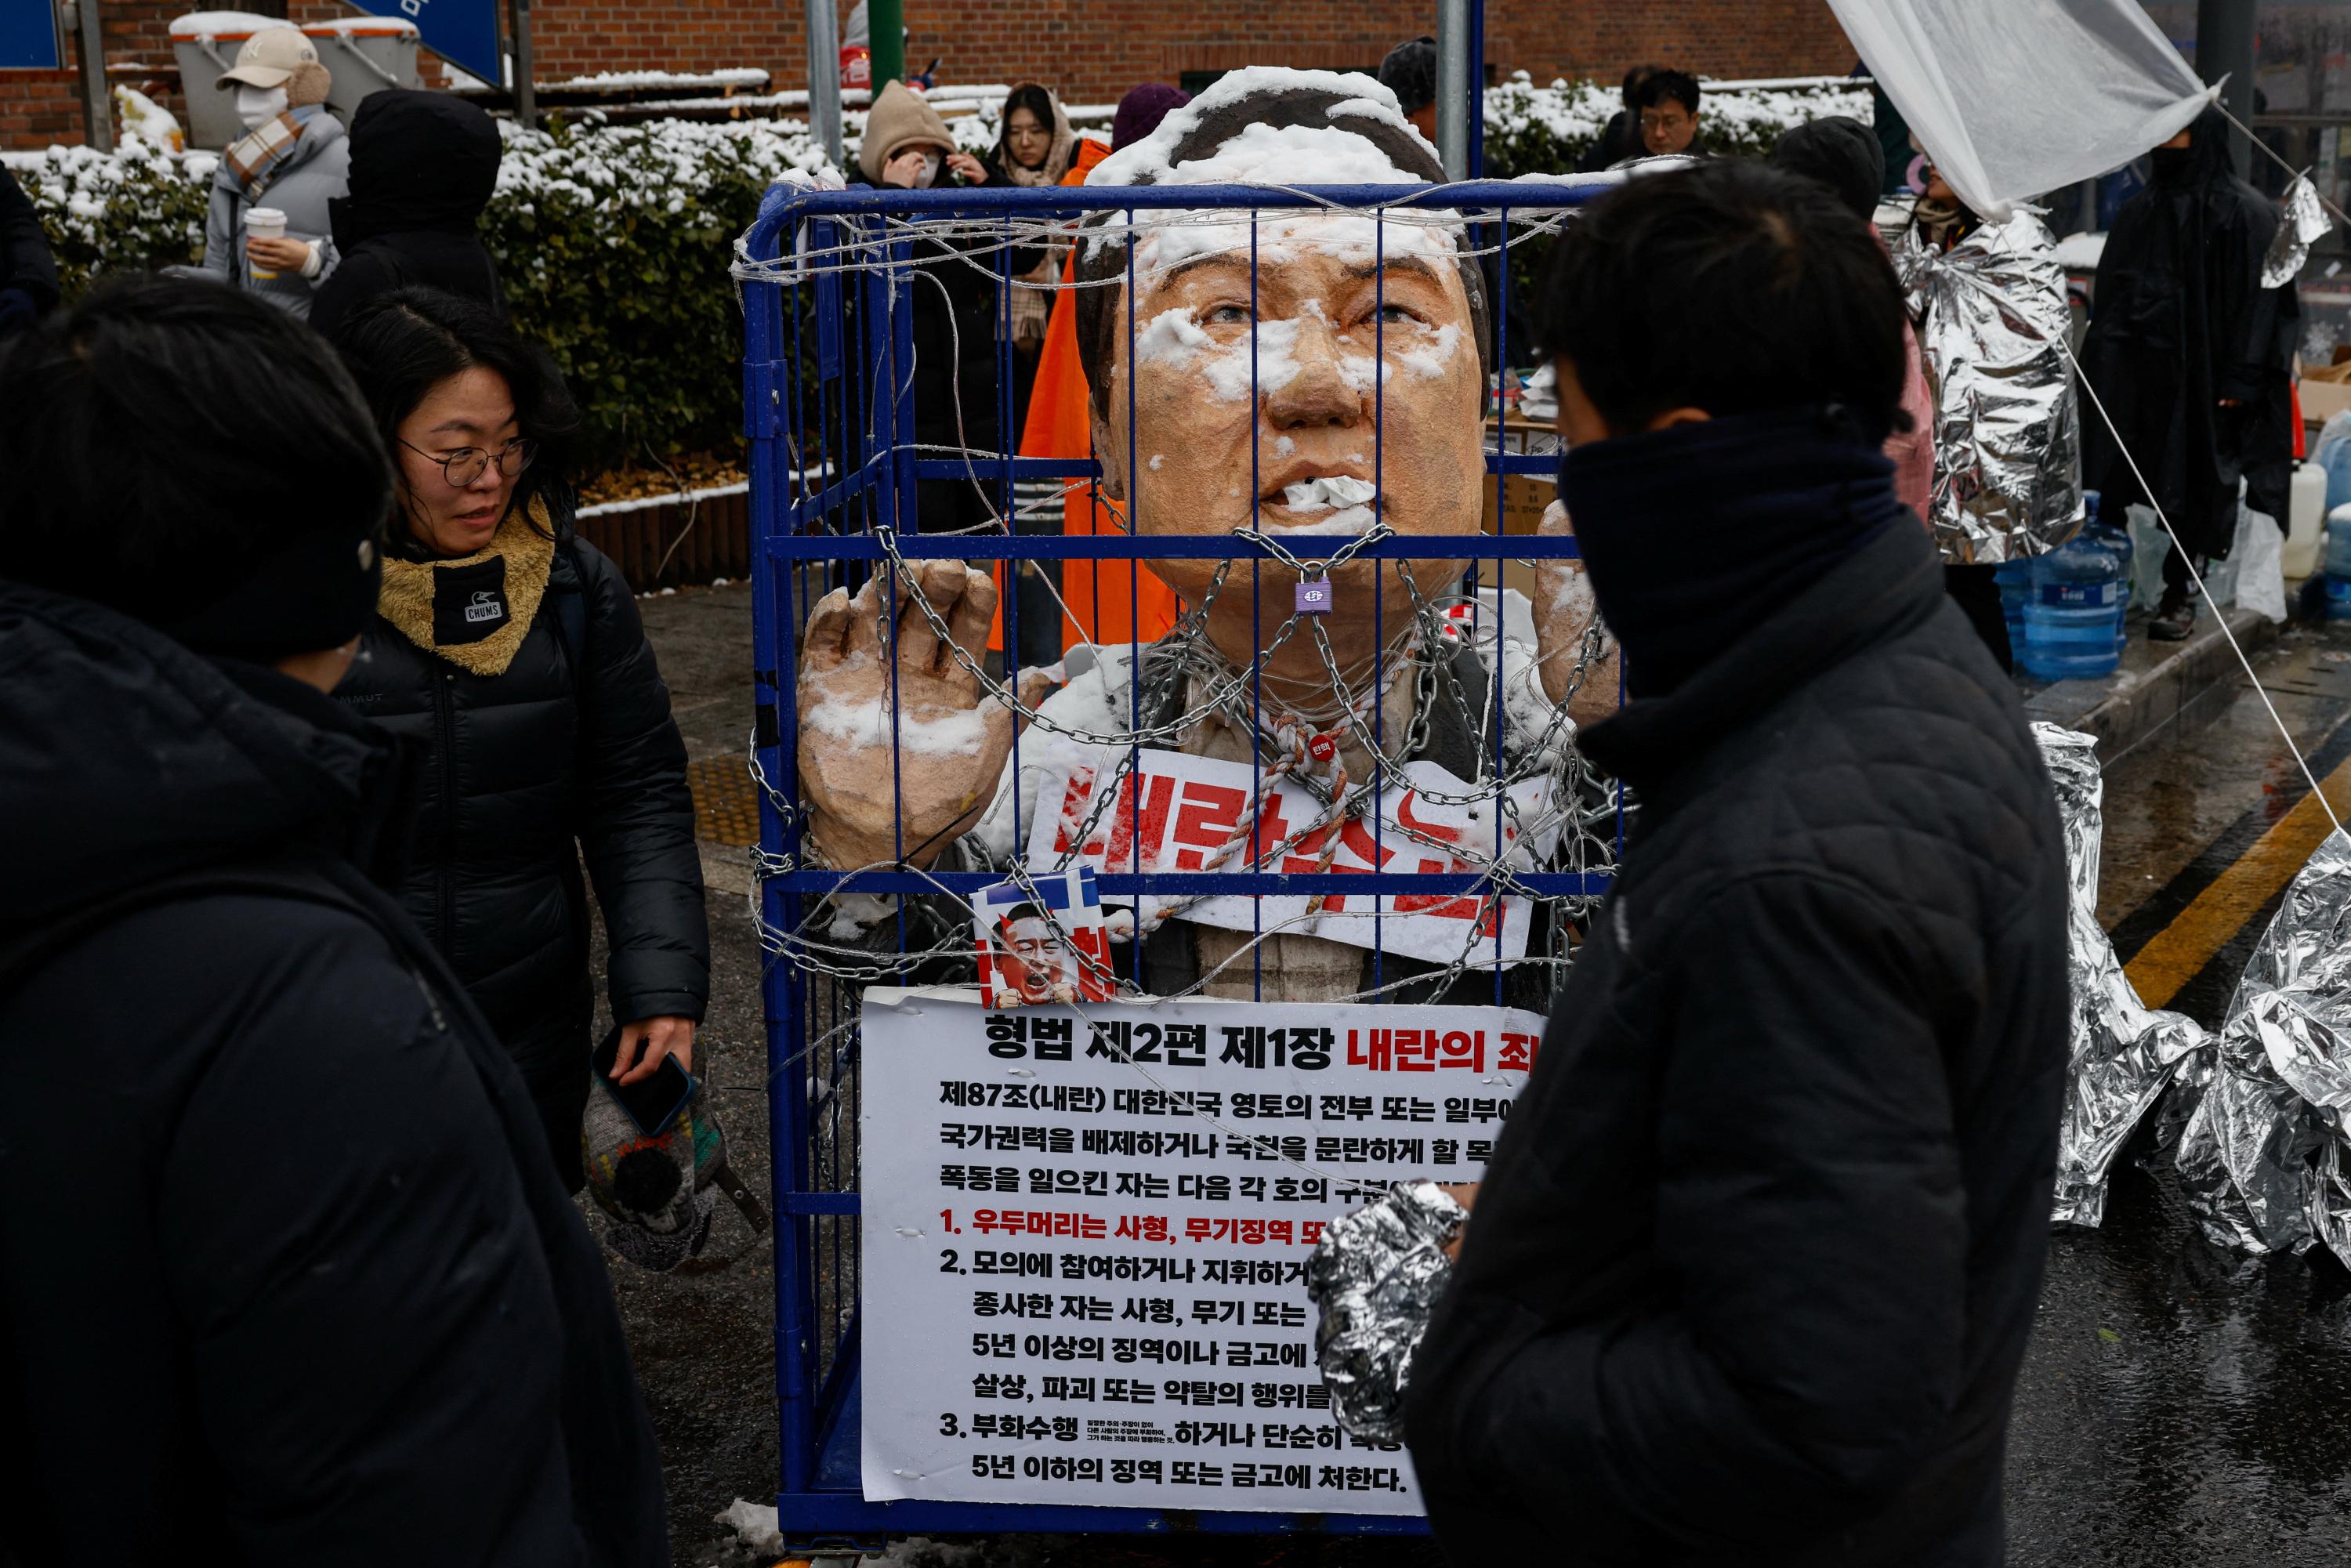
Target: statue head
1303,374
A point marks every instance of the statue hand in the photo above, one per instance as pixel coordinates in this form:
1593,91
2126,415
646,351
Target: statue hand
1565,609
866,808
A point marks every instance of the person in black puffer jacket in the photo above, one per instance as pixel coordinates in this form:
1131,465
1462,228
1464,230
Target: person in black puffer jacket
1750,1276
422,167
284,1277
510,651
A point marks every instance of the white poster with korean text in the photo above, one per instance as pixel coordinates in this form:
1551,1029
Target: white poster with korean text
1172,812
1085,1232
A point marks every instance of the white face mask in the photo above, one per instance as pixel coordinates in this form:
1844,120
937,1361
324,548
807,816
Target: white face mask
932,163
258,106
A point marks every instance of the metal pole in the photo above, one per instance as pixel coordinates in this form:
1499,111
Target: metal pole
97,112
1474,162
824,75
886,36
1453,88
526,89
2224,48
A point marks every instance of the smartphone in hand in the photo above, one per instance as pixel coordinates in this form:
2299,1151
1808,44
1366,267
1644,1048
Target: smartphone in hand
652,1104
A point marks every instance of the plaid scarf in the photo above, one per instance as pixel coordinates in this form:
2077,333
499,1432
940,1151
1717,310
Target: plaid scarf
252,160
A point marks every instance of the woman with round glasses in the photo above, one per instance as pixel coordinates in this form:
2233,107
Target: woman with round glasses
510,652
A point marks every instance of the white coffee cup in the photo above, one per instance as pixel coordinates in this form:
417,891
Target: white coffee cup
264,223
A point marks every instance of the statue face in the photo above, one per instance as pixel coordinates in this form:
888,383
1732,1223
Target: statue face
1308,442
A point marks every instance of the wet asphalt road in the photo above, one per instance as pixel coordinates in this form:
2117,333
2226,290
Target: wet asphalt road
2180,1407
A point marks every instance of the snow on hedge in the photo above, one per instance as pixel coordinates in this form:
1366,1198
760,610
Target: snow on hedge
115,209
1534,130
139,203
664,165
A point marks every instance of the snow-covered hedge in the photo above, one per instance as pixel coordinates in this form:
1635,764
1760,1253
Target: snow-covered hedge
613,240
1536,130
125,208
613,243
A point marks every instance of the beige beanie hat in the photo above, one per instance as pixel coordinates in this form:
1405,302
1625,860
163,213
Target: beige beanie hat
899,118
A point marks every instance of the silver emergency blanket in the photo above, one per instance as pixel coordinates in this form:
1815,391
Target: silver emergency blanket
2265,1111
2008,433
1376,1275
2122,1054
2301,224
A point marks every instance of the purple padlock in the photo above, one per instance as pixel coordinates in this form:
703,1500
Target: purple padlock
1315,597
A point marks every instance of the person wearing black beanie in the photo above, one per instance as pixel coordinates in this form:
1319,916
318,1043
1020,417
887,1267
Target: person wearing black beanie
1750,1272
287,1272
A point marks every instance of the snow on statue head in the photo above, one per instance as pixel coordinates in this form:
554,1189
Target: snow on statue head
1267,393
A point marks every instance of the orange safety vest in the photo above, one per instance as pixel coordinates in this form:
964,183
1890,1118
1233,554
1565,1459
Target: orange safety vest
1111,600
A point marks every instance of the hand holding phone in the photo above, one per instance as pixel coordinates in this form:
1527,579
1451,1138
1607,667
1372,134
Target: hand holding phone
653,1101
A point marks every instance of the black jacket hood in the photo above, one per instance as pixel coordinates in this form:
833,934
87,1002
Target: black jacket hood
419,160
1839,151
2203,161
125,758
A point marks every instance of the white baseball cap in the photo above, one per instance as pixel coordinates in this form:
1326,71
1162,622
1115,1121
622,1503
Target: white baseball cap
269,59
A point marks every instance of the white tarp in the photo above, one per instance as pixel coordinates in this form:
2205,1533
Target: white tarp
2014,98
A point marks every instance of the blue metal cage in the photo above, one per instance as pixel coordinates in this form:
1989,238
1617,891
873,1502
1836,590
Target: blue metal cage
827,296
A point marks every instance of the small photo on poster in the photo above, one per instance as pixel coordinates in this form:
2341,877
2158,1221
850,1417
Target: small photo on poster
1023,960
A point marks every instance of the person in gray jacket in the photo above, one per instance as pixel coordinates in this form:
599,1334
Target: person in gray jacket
294,158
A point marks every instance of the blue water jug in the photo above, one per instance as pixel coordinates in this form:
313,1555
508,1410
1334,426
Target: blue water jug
2333,455
2337,565
2119,542
2015,579
2069,616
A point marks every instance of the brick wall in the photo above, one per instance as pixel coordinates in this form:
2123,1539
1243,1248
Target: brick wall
1091,50
38,108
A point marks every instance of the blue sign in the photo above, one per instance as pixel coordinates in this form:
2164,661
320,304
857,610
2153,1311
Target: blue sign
463,32
28,36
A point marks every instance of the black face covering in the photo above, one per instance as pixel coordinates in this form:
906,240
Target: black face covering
1694,534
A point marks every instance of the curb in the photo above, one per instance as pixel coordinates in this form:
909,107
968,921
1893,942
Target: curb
2157,684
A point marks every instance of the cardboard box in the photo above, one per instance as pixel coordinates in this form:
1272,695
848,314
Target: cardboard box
2321,400
1524,498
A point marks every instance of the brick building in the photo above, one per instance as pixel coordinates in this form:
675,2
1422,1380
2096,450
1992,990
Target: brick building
1092,50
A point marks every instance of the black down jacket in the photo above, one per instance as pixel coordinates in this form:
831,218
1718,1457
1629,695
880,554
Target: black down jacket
285,1278
1751,1274
423,165
525,773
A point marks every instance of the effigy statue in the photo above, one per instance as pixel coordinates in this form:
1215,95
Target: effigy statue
1311,379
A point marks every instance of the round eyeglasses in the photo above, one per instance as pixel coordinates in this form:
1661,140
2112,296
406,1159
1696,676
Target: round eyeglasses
467,463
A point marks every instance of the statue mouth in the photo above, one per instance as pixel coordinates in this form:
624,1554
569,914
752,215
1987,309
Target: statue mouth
1313,502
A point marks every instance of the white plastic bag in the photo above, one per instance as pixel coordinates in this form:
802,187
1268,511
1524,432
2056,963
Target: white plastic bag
2259,555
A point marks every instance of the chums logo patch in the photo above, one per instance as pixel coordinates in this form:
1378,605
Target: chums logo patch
469,602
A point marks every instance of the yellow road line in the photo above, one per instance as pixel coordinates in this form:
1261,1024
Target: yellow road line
2183,948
